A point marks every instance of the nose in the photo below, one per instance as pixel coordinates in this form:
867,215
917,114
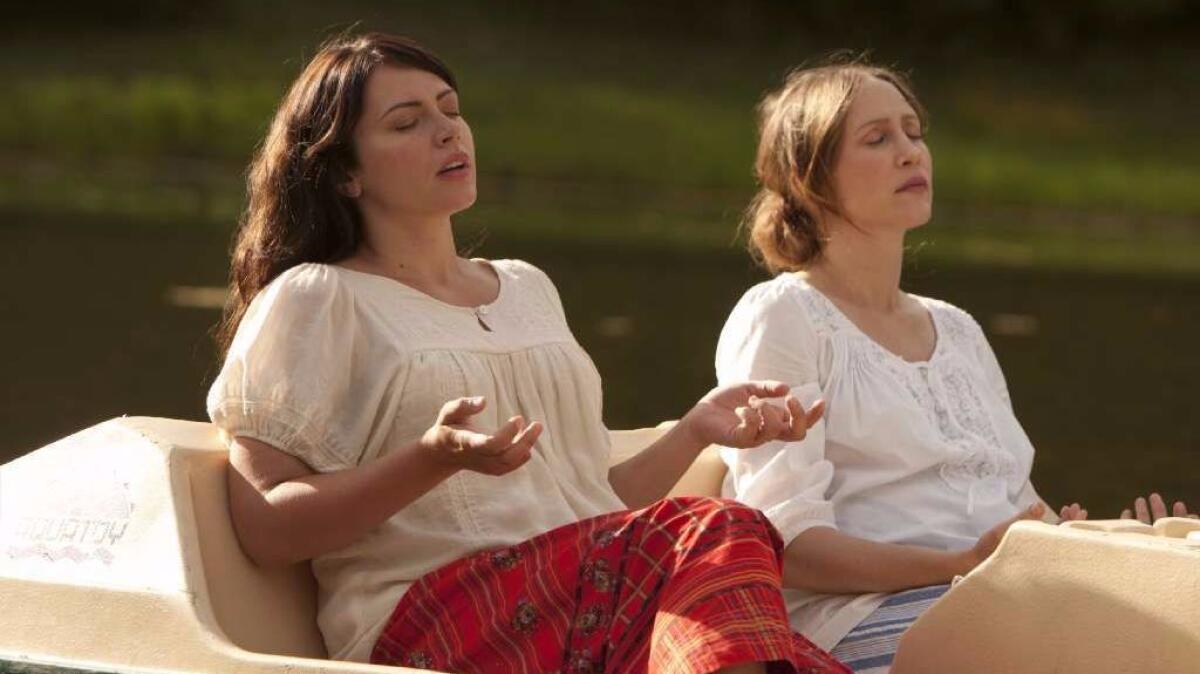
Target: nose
910,151
447,130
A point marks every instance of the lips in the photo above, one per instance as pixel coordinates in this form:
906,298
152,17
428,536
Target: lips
914,184
457,162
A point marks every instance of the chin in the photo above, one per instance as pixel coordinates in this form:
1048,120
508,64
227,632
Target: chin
462,204
918,218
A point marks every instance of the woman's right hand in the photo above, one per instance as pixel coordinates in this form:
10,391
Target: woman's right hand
1148,511
453,442
988,542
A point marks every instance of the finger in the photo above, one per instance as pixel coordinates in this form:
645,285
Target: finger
796,426
460,409
1127,514
528,435
1033,512
749,423
1064,513
503,437
773,422
1179,509
753,419
1083,513
461,440
766,388
513,458
1141,510
1158,508
815,413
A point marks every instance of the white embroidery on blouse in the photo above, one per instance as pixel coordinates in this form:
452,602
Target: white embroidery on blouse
941,387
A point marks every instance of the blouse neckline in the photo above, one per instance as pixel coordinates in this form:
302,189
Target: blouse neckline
938,332
479,309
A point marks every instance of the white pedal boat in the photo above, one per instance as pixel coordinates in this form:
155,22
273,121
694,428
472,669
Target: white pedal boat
117,554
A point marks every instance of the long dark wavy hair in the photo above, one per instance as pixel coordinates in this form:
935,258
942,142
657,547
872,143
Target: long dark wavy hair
294,210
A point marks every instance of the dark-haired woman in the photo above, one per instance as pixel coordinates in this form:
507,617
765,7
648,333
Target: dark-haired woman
425,429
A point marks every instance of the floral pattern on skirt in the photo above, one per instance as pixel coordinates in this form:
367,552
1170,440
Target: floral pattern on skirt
684,586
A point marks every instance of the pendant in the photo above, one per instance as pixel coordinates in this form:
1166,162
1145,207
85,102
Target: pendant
480,312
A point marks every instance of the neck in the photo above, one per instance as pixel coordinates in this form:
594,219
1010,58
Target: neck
861,268
420,249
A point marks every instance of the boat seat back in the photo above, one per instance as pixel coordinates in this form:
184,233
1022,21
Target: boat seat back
261,610
273,610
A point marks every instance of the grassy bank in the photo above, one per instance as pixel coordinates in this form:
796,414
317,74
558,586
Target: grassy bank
616,136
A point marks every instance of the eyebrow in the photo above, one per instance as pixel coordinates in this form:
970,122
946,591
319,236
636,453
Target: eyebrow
903,118
412,104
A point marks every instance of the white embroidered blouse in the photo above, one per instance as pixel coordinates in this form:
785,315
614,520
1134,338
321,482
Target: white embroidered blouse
339,367
921,453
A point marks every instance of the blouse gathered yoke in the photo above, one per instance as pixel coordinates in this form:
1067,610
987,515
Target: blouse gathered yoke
339,367
922,453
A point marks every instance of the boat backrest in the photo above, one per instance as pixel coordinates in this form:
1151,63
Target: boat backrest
260,610
273,611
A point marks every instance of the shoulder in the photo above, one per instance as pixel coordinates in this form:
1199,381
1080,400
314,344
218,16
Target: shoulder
783,300
771,311
524,275
958,325
305,289
521,271
304,306
947,311
308,280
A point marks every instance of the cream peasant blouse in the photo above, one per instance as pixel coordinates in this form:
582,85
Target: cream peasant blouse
339,367
921,453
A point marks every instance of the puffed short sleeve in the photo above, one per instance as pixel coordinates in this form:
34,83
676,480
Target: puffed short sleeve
768,336
289,378
988,361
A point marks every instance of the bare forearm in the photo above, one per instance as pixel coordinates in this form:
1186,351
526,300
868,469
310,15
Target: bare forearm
648,475
307,516
823,559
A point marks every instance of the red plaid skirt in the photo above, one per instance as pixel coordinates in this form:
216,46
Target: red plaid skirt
685,586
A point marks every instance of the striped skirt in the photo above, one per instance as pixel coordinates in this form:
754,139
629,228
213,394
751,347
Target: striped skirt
871,646
685,586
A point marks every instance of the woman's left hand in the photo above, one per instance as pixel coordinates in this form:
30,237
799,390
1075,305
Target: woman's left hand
739,415
1072,512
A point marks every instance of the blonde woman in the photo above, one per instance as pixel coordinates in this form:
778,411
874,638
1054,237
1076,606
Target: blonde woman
919,465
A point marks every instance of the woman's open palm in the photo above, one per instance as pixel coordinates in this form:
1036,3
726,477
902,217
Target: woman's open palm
741,415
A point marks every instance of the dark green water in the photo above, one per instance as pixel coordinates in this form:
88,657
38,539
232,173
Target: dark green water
1102,368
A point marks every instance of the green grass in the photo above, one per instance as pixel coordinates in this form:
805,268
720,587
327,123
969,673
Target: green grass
594,135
